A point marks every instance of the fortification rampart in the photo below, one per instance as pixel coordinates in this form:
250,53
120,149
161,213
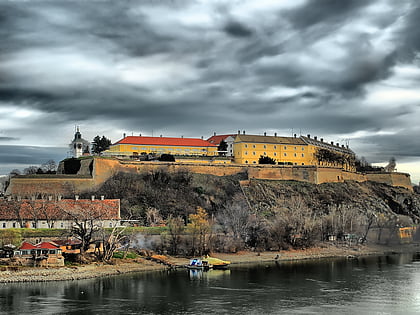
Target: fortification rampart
103,169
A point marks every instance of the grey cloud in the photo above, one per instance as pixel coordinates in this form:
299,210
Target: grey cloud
229,61
237,29
324,11
8,138
30,155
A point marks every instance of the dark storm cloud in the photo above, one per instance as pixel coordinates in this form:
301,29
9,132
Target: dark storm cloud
410,34
191,68
7,138
237,29
324,11
30,155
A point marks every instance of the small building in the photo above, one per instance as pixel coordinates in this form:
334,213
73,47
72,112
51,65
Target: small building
40,255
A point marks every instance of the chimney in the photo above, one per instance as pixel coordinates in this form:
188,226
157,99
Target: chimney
139,134
161,136
214,133
76,197
243,132
202,138
338,144
102,197
295,135
309,136
342,145
239,132
275,134
92,197
332,142
315,138
124,135
265,134
322,139
182,137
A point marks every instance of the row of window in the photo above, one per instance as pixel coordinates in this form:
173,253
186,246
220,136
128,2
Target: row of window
274,147
166,149
279,163
275,154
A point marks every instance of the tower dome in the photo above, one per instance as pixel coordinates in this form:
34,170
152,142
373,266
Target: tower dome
79,146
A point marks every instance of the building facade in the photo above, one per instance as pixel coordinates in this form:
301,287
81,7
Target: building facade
61,214
132,146
299,151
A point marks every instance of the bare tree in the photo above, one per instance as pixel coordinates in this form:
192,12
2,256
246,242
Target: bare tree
176,228
235,218
153,217
86,217
111,241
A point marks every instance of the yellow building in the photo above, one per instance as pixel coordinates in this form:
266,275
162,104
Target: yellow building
135,146
284,150
291,151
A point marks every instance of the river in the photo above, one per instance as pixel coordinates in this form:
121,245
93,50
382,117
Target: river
369,285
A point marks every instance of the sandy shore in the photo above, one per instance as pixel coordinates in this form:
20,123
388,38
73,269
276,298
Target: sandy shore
140,265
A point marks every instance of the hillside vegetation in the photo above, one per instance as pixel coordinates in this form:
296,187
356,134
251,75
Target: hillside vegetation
262,214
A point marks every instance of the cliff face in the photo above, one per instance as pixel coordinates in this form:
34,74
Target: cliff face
365,197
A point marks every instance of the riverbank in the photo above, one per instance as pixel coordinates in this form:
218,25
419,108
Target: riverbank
143,265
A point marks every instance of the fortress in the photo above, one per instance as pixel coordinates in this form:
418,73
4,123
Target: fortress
292,158
94,171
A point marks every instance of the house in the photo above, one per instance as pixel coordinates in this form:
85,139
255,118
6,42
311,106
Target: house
137,145
61,213
40,255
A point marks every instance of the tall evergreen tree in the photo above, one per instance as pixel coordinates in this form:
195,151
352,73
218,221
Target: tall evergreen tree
100,144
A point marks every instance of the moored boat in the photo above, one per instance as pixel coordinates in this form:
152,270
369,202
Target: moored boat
199,264
217,263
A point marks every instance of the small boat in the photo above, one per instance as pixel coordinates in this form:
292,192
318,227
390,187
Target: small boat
217,263
199,264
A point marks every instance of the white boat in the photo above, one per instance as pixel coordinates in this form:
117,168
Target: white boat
197,263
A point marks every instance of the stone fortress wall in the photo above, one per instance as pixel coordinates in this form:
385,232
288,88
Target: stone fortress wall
103,169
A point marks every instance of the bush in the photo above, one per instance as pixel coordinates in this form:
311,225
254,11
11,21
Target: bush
120,255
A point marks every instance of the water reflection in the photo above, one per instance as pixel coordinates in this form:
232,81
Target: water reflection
386,284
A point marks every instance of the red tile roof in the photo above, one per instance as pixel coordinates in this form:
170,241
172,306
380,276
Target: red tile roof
186,142
46,245
42,245
26,245
65,209
217,139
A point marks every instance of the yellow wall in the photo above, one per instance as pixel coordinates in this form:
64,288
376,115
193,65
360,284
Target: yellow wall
249,153
132,149
283,154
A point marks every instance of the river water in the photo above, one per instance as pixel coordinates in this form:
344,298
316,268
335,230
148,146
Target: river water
371,285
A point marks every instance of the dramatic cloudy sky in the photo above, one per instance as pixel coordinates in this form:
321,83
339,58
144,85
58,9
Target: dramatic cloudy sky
344,70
